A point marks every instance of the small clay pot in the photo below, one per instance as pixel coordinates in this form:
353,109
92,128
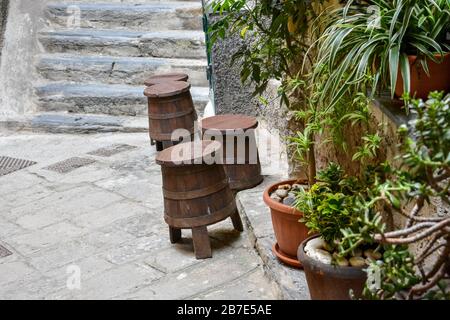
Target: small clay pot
329,282
289,232
421,83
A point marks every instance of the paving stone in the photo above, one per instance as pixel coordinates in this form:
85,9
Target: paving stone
21,197
113,283
33,286
13,271
90,244
146,187
60,205
254,286
48,236
144,225
140,248
198,279
109,214
11,184
225,233
183,253
9,229
89,267
111,150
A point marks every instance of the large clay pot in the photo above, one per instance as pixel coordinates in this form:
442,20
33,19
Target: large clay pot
289,232
421,84
328,282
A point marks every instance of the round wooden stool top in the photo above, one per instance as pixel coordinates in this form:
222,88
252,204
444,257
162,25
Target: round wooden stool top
189,153
170,76
167,89
226,122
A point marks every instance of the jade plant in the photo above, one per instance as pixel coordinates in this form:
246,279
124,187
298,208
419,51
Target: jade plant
406,191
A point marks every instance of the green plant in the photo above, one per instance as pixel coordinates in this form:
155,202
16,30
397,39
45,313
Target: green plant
366,44
278,33
331,204
424,175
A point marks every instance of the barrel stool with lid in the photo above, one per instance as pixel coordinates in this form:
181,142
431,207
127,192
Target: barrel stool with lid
196,192
241,159
163,77
170,107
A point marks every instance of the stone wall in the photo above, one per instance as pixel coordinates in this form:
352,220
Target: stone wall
20,48
230,95
4,6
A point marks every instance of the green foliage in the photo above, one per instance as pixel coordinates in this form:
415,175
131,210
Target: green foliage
330,205
366,44
424,174
371,144
394,274
278,32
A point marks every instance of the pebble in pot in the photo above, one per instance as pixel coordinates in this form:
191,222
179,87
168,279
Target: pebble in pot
357,262
290,199
275,197
282,193
371,254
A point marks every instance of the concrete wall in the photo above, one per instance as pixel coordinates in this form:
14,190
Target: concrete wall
20,48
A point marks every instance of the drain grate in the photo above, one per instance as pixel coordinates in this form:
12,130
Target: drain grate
70,164
4,252
9,165
112,150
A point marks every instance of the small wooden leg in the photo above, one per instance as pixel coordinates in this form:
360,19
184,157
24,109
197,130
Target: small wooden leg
159,146
237,222
202,244
167,144
175,235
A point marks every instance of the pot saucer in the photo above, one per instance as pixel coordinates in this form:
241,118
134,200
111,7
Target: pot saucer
283,257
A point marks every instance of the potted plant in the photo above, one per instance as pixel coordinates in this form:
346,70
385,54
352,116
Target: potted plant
399,45
417,254
349,217
289,232
335,203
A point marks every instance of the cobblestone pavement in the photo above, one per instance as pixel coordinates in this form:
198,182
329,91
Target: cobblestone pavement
105,219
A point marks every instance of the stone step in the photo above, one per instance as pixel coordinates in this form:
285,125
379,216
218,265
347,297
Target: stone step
117,70
153,16
63,122
115,100
162,44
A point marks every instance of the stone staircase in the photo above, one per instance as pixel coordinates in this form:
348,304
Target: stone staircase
97,69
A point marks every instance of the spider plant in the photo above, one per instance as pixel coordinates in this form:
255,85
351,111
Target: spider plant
367,44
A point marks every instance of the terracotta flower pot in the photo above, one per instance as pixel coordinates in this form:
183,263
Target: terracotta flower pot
289,232
421,84
328,282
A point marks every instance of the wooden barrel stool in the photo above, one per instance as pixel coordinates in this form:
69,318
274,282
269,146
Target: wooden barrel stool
170,107
196,192
163,77
241,160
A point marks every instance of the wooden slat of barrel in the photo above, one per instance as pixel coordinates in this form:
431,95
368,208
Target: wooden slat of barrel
163,77
194,194
170,107
246,173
